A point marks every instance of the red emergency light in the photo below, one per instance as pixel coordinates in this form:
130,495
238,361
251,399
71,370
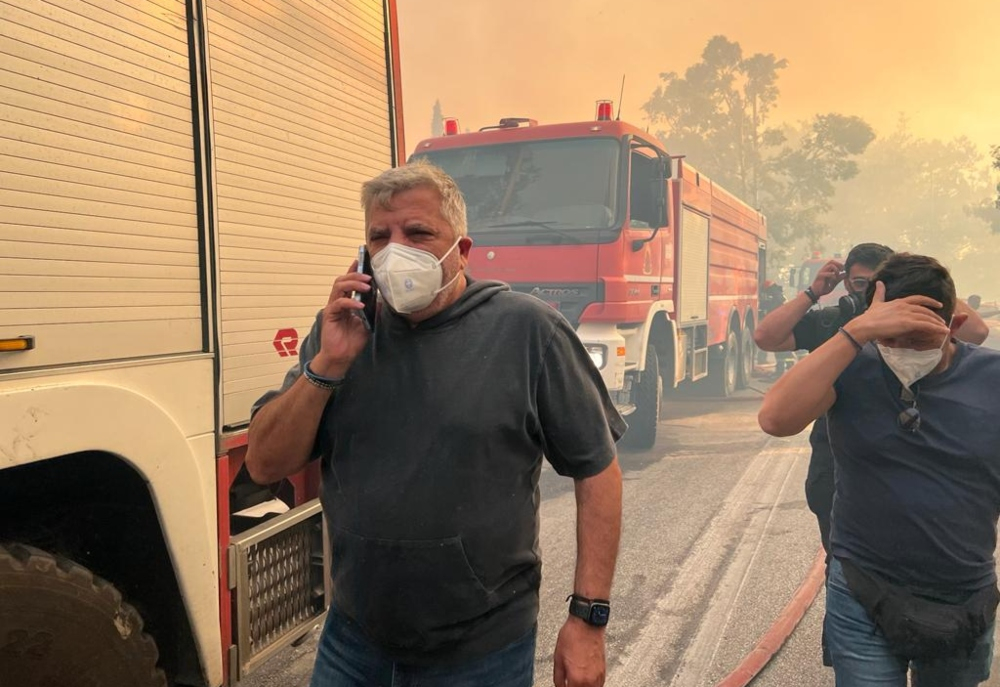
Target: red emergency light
604,110
451,126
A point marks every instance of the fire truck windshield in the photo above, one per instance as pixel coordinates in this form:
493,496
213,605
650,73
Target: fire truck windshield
553,190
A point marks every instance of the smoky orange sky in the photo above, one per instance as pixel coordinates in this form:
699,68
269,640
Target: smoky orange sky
936,62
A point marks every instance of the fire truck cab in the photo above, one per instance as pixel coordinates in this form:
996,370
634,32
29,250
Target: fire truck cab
656,266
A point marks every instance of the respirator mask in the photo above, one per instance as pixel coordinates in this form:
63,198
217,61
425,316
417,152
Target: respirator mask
851,305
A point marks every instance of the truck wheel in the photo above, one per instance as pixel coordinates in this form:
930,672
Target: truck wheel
63,626
747,354
723,368
642,423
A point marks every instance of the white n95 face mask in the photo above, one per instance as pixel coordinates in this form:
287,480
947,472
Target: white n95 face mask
909,365
409,278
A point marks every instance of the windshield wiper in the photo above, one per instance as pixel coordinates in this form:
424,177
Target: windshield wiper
520,223
552,229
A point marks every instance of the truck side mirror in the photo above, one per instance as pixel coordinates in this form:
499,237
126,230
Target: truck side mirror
662,216
658,192
665,167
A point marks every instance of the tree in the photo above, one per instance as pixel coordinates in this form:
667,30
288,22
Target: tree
926,196
800,179
989,209
717,115
995,154
437,120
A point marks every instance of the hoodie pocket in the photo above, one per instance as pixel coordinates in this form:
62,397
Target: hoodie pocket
407,594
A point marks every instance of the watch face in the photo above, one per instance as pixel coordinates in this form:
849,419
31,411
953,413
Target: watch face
599,614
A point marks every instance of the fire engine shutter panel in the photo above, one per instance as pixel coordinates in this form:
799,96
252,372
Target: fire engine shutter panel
290,157
693,288
99,254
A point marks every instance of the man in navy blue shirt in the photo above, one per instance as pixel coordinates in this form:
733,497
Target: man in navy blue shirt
915,430
798,325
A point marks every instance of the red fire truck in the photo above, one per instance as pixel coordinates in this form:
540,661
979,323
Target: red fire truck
657,267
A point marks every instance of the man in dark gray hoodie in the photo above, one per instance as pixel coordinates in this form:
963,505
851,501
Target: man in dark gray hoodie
432,430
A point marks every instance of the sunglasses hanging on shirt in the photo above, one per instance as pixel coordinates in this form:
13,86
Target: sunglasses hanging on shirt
909,418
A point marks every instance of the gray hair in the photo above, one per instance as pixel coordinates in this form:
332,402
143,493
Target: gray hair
418,174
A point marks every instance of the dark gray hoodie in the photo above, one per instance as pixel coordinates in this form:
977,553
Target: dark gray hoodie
432,450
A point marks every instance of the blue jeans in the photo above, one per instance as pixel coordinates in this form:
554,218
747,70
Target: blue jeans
346,658
862,657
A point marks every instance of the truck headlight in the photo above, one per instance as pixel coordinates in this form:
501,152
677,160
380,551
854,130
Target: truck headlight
599,354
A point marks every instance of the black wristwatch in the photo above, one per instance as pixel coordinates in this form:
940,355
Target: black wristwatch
594,612
811,295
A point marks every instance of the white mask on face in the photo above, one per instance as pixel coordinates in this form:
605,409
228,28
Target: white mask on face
409,278
909,365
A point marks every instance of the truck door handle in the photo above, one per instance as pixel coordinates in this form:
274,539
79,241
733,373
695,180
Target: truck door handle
16,344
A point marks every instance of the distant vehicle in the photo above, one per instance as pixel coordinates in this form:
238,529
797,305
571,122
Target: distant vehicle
656,266
990,310
993,319
802,276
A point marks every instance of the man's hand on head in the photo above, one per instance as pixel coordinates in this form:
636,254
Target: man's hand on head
914,316
828,277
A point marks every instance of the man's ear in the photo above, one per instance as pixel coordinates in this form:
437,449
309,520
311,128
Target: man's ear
957,320
464,246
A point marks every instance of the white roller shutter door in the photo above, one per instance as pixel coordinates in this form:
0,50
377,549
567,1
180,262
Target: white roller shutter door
693,287
301,119
99,250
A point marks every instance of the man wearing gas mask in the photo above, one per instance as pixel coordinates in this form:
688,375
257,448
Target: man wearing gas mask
915,426
797,325
432,423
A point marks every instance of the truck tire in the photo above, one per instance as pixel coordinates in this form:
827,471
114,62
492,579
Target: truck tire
643,421
61,625
746,362
723,368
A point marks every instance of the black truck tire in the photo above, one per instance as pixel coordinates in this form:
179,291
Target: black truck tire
643,421
62,625
748,352
723,369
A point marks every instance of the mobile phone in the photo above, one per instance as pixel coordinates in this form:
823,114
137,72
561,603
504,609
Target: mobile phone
368,298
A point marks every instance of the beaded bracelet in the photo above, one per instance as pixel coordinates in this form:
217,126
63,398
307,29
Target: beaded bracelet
325,383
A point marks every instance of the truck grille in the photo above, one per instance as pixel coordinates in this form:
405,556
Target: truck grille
279,583
569,298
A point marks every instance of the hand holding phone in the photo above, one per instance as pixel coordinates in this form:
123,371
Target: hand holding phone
368,298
